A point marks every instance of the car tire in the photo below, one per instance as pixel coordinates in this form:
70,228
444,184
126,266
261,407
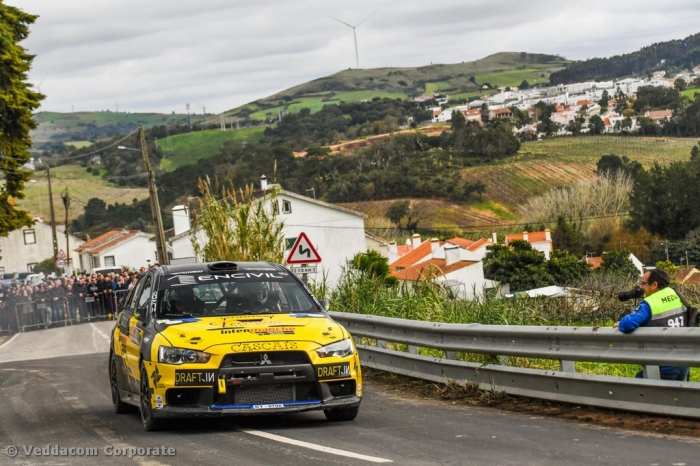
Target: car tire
148,422
119,406
341,414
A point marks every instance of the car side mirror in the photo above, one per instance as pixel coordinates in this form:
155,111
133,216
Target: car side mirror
324,304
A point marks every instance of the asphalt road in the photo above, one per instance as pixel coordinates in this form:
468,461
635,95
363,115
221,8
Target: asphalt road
54,395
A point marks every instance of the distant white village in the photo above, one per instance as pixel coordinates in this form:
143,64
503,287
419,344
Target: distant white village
571,101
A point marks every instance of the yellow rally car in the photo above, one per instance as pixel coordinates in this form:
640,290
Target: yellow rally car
226,338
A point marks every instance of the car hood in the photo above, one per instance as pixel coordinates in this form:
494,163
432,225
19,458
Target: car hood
204,332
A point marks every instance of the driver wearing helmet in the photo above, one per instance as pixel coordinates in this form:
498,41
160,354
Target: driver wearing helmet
254,297
183,301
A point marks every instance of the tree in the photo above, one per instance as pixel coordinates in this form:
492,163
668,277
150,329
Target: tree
566,268
679,84
17,102
604,99
517,264
237,226
596,125
620,101
401,210
618,262
373,265
524,85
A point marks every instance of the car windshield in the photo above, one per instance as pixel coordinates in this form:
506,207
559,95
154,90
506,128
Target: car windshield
23,275
233,294
8,276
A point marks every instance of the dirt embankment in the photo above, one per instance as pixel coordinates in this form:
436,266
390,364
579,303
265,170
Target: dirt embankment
455,394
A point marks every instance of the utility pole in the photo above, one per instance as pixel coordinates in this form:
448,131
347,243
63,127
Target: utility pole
189,126
66,203
53,218
155,205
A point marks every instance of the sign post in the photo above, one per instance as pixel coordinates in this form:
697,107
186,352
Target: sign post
304,253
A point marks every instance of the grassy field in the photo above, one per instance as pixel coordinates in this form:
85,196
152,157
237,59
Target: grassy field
590,148
82,186
317,101
187,148
514,77
690,93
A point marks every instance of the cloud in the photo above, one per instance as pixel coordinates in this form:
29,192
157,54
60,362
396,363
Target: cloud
157,55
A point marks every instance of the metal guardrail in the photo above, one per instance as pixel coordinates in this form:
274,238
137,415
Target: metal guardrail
646,346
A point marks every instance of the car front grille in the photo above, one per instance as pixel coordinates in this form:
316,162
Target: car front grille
263,358
266,394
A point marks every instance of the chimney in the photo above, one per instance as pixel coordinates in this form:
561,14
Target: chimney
181,219
263,183
415,240
525,236
547,235
434,245
451,255
392,247
494,238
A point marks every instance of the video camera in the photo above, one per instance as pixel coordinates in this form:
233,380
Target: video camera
635,293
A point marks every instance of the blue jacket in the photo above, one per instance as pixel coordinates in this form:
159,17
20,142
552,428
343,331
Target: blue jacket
639,318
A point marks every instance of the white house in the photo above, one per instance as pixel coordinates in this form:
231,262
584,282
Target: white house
455,263
117,247
22,249
336,233
539,240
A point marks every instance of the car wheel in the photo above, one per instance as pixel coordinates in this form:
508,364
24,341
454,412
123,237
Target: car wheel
341,414
147,420
119,406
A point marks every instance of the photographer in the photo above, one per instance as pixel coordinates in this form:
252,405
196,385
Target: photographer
661,307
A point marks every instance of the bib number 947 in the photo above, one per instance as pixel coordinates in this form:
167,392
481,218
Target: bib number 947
677,322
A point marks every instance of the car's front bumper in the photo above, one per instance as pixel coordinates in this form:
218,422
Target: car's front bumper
253,410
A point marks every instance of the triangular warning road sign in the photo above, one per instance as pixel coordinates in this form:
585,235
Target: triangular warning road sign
303,252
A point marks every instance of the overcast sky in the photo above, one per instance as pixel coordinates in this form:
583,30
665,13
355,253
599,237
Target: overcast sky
158,55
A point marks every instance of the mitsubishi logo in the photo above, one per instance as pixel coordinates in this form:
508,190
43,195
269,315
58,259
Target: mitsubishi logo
265,360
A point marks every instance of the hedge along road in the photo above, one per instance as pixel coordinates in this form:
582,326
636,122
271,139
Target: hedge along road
54,393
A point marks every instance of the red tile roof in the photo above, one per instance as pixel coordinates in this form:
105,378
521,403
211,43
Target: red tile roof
594,262
479,243
413,256
110,235
532,237
114,242
461,242
430,268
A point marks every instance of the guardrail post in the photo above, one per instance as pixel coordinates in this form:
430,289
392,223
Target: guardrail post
567,366
412,349
450,354
651,372
381,344
504,360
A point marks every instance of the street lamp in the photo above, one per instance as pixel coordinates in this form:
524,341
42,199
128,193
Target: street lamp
153,196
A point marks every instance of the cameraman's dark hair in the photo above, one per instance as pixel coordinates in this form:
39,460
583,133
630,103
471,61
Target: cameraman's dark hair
660,277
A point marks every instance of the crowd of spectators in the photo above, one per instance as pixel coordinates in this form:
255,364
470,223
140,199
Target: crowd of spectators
58,301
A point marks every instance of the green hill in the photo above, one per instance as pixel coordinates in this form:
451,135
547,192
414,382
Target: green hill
84,128
460,80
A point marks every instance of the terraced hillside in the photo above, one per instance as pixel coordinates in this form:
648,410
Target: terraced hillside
539,167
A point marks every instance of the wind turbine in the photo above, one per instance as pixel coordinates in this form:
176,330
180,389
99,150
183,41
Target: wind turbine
354,35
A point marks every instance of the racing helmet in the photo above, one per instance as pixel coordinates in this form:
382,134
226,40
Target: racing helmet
257,292
180,299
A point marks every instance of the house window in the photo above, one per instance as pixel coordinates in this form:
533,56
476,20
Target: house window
109,261
286,207
2,270
30,266
29,237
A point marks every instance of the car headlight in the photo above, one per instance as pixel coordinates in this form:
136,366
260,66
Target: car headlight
339,348
170,355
